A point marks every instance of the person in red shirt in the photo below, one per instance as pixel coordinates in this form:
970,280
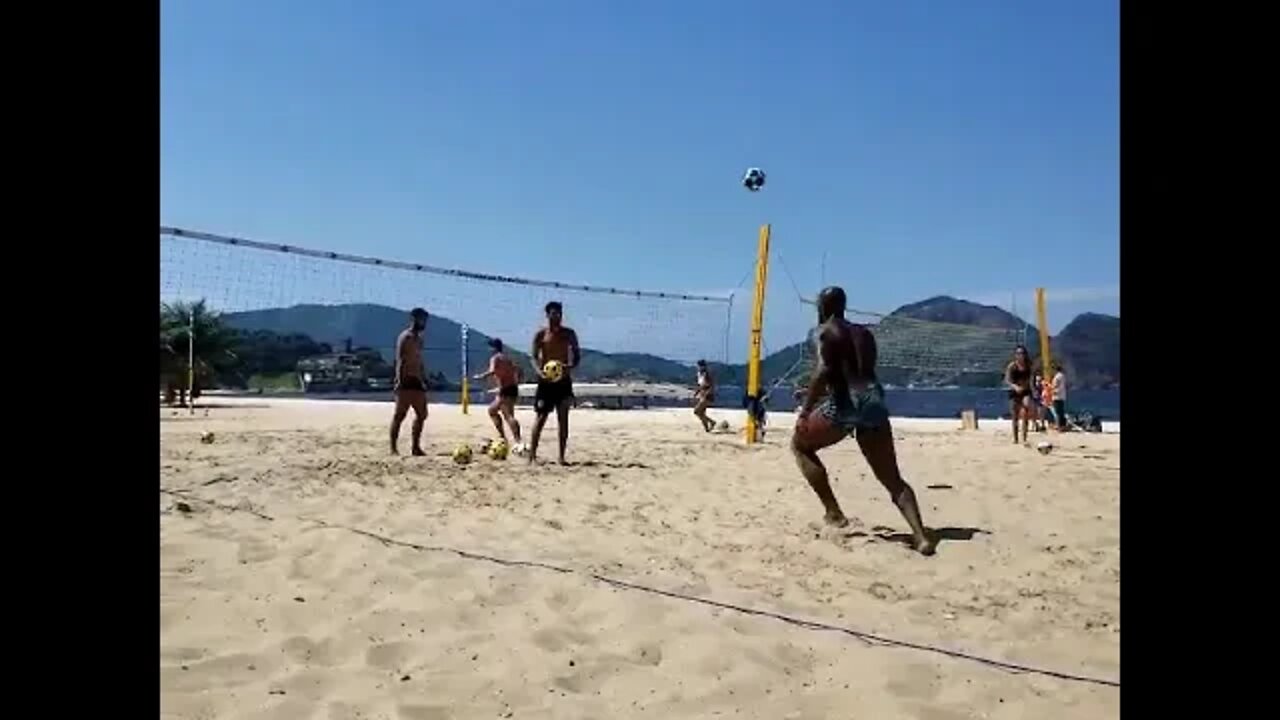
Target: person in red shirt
507,381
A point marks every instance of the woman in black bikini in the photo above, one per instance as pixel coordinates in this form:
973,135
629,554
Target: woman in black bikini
1017,377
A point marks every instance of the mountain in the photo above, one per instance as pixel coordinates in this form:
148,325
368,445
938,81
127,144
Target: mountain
946,309
1089,348
938,341
372,326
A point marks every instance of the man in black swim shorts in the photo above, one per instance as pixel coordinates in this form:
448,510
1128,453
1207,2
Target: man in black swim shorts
507,378
553,342
411,384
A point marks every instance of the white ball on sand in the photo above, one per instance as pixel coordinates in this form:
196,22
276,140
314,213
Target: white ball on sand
1044,447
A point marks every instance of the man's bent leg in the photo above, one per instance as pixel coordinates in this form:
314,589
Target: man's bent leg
810,436
877,447
494,409
397,419
509,412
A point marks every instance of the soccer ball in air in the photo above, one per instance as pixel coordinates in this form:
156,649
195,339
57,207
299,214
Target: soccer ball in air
553,370
498,450
753,180
462,454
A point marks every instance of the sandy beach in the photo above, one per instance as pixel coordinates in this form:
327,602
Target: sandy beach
305,573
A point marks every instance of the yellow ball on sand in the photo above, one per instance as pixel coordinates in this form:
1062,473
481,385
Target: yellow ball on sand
499,450
462,454
553,370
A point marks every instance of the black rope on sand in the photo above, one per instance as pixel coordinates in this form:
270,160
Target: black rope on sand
866,637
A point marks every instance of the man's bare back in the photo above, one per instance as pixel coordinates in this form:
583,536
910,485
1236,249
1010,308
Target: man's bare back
848,352
409,356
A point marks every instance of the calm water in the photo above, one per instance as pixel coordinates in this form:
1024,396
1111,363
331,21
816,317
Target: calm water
921,403
932,403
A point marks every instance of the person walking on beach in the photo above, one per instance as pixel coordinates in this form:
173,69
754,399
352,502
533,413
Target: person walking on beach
411,382
1059,386
844,398
506,378
1017,378
560,343
704,395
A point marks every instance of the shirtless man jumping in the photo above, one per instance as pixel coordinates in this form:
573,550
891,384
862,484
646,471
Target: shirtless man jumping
844,398
411,381
506,376
553,342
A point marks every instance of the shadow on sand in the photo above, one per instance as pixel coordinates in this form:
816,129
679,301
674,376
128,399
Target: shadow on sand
880,533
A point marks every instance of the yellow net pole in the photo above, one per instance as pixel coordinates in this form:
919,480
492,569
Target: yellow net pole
466,387
757,329
191,360
1042,321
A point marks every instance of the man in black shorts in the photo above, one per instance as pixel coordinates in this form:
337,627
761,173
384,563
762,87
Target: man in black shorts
411,383
506,377
553,342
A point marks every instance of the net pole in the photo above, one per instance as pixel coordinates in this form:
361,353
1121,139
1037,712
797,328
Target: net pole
1042,315
191,359
466,389
757,333
728,323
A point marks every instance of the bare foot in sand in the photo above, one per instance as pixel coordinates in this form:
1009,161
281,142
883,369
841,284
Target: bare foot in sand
926,547
417,452
836,519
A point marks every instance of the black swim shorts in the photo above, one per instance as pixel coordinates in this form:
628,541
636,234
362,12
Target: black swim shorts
549,395
509,391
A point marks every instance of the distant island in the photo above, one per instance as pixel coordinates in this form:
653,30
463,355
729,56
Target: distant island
264,347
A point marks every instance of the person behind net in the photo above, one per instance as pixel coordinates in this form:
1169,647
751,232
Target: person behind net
1059,386
506,378
411,381
560,343
1017,378
845,398
704,395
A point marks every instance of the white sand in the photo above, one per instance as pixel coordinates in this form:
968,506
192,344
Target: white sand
297,617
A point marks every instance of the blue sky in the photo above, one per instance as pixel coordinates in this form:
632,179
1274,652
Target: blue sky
925,147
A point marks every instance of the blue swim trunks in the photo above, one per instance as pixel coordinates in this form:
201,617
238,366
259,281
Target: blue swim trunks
868,410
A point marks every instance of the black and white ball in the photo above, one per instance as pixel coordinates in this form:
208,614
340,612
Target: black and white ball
753,180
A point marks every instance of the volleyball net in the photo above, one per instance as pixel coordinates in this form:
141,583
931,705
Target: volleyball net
354,305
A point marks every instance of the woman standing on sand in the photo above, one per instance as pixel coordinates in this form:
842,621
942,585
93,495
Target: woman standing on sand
1017,378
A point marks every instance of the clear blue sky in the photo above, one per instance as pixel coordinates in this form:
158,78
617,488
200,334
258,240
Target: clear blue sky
927,147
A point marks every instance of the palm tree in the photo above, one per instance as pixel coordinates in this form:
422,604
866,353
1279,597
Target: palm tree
214,344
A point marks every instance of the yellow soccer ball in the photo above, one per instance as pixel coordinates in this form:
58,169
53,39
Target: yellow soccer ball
462,454
499,450
553,370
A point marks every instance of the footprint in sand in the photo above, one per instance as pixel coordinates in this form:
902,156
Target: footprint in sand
423,712
305,650
255,551
915,682
390,656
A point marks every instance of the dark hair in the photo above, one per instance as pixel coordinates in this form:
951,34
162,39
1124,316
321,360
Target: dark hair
553,305
496,344
418,312
832,301
702,363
